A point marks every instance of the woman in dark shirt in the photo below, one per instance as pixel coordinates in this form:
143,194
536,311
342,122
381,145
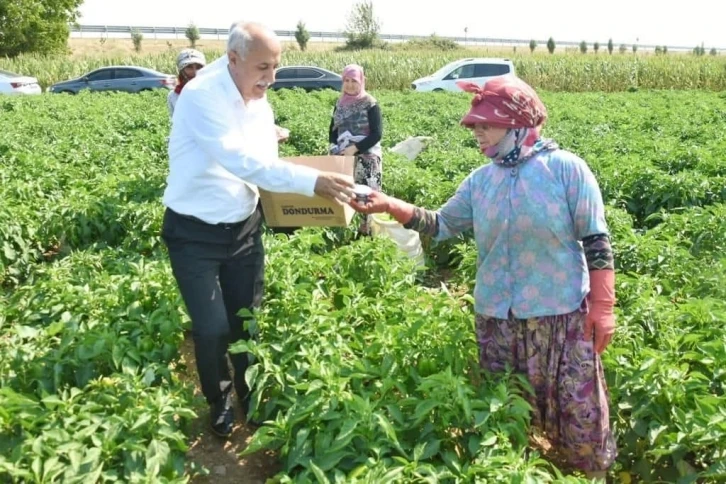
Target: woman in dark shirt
356,130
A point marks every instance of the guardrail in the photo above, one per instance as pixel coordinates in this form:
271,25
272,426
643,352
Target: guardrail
333,36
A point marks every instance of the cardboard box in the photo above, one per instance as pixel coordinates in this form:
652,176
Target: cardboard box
292,210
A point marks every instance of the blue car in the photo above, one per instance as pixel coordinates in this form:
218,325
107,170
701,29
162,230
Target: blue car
130,79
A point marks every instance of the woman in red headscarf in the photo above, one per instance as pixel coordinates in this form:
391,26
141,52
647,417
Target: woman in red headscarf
544,291
356,130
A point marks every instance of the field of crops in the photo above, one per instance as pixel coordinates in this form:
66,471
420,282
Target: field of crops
396,69
366,369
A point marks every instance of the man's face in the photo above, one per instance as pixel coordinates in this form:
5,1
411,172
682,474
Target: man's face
256,72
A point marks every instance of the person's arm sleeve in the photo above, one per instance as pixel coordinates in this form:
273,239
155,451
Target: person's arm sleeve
455,217
375,123
170,104
210,122
587,210
332,131
584,199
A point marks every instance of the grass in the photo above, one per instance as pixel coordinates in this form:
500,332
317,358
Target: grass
397,66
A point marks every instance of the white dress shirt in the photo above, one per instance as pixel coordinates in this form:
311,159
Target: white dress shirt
221,150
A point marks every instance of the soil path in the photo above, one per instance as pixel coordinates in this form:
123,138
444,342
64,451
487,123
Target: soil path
221,457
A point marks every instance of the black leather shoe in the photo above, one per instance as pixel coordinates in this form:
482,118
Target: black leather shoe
221,414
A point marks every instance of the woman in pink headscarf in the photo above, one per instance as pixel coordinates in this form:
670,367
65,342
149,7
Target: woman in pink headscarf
356,130
545,279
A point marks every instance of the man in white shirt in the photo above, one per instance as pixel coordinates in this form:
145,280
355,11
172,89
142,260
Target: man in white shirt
223,145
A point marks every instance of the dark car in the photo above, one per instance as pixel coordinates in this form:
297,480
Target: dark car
306,77
131,79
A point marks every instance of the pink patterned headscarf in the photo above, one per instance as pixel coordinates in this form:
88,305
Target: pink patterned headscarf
353,71
504,102
510,103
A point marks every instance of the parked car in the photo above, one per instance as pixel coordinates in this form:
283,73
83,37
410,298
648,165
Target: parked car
130,79
12,83
473,70
309,78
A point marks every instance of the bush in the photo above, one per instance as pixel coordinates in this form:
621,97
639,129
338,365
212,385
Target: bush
363,27
192,33
433,42
551,45
302,36
137,37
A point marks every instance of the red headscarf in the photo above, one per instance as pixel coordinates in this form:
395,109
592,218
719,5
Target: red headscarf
180,83
504,102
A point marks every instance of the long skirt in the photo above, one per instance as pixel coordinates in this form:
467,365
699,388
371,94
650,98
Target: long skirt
570,398
368,171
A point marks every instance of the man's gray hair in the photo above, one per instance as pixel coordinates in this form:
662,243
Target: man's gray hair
240,37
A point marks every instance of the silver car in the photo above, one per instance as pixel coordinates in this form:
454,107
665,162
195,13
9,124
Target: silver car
130,79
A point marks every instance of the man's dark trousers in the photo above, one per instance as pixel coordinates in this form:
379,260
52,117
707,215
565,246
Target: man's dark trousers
219,270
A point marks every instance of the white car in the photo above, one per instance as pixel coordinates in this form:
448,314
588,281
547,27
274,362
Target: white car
473,70
11,83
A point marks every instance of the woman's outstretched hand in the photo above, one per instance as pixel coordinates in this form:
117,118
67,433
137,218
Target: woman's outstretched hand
377,202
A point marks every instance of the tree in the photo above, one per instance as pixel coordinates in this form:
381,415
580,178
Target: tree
532,45
658,50
665,49
192,33
551,45
596,47
302,35
635,48
610,46
583,47
363,26
623,48
33,26
136,38
714,51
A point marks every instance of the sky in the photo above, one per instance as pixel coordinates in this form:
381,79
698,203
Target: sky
626,21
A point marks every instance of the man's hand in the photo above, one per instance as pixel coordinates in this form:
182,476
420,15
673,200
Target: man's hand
350,150
334,186
282,134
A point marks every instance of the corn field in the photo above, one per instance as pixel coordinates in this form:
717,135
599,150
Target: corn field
396,69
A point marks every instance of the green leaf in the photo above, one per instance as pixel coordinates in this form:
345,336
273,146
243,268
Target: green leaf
157,455
9,252
143,419
331,459
264,438
345,435
52,401
319,474
431,448
489,440
26,332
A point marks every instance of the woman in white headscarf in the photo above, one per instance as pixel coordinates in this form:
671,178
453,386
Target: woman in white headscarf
188,62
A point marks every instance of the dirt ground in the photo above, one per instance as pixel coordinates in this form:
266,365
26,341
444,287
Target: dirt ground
221,457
